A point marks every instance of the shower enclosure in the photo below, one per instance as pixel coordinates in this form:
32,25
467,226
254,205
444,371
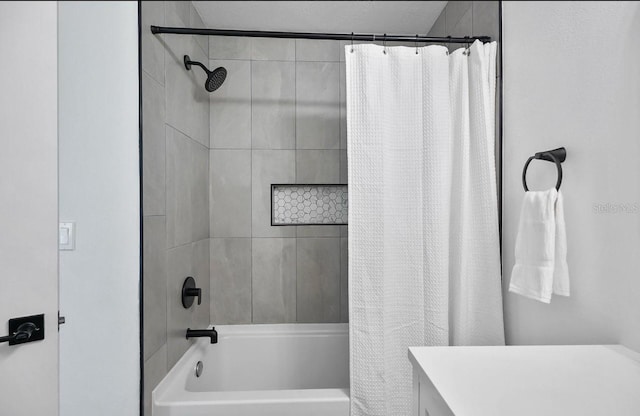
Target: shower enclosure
221,151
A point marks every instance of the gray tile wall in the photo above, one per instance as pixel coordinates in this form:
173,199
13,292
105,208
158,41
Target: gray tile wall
474,18
278,118
175,186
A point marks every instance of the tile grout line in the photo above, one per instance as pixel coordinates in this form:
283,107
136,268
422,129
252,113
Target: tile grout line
251,186
166,225
295,165
165,242
340,168
144,71
186,135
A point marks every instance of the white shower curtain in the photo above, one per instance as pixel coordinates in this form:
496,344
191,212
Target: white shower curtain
424,263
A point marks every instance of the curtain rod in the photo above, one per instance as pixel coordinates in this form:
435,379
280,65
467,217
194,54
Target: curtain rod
311,35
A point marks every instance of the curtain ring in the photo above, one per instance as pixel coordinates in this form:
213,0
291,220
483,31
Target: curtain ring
467,51
416,44
351,42
384,44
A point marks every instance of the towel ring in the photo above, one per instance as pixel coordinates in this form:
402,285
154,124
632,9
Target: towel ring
556,156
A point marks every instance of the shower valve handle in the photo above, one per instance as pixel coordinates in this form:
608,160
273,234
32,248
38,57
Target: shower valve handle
195,292
190,291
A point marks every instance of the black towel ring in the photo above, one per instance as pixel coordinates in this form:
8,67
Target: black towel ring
556,156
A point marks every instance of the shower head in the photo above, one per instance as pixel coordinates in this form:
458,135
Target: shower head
215,78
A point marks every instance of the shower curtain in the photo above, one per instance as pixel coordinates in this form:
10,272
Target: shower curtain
424,262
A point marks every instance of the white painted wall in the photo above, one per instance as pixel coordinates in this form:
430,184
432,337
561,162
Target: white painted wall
99,190
28,203
572,78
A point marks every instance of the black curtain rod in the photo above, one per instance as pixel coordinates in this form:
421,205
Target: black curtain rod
308,35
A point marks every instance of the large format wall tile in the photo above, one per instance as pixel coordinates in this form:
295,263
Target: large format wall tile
179,267
269,167
152,45
344,167
187,189
273,87
317,166
155,369
343,105
463,27
231,107
230,199
201,272
344,280
230,281
200,192
317,50
229,47
196,21
319,230
177,12
186,98
153,147
317,105
274,280
271,49
454,11
178,188
438,28
187,260
318,284
154,256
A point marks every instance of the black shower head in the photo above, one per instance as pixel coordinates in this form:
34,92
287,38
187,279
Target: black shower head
215,78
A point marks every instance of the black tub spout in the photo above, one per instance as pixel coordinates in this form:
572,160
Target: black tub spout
199,333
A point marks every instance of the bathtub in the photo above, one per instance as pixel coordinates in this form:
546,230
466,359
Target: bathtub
261,370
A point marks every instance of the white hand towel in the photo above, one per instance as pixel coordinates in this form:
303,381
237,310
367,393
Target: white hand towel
541,247
561,268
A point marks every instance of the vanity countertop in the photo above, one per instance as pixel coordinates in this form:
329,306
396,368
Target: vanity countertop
530,380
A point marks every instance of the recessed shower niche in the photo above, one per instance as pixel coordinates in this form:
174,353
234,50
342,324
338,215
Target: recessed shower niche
309,204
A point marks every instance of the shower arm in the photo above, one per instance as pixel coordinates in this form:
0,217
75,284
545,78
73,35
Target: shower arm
188,63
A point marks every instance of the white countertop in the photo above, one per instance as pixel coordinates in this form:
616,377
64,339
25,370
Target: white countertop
533,380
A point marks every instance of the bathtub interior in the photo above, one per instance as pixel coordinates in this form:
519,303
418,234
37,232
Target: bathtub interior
275,357
267,361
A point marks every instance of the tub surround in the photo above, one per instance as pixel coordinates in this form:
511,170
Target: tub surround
175,203
278,118
526,380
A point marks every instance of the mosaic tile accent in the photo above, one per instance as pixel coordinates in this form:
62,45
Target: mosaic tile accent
309,204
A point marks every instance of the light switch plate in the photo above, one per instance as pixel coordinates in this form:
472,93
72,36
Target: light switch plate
67,236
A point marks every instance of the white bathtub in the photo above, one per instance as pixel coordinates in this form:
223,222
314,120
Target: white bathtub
261,370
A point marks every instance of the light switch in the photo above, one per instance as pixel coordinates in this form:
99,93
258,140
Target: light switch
67,236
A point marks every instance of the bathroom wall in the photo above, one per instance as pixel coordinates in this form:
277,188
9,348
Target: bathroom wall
572,78
278,118
175,185
99,191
